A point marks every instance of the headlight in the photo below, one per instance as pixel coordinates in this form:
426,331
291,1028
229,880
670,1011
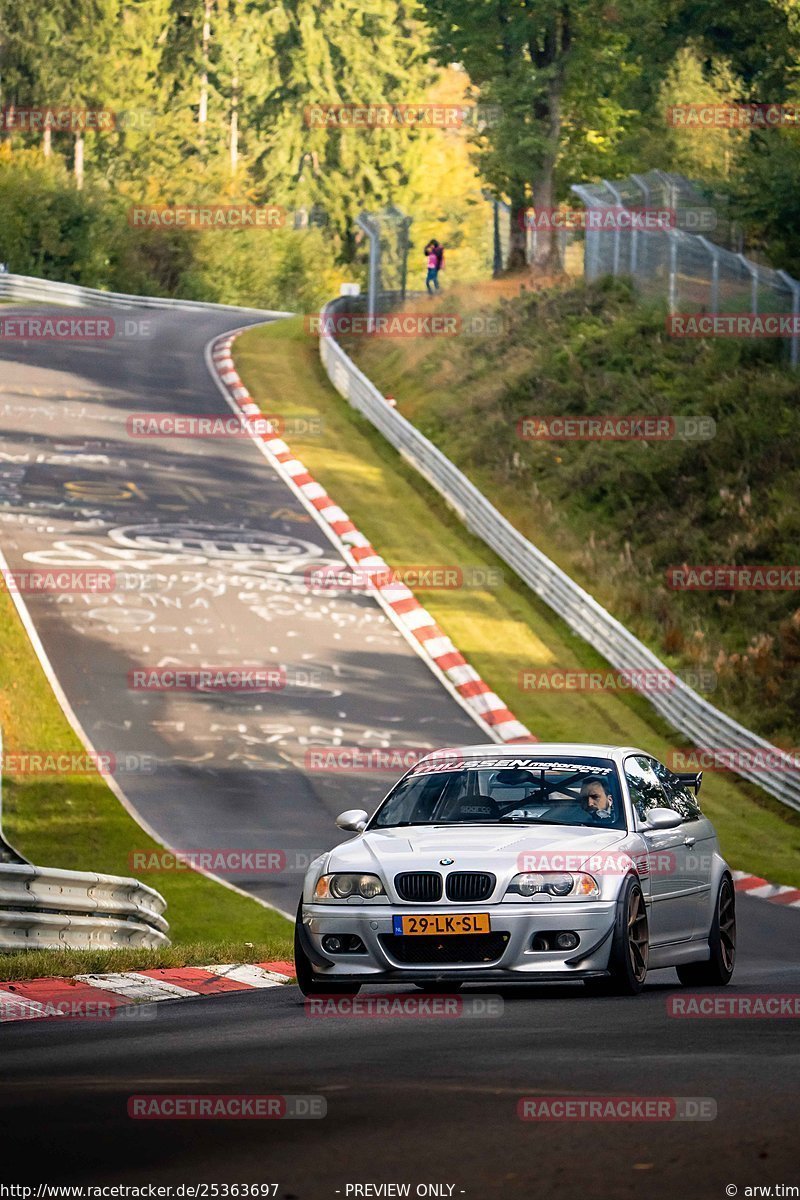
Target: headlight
554,883
346,887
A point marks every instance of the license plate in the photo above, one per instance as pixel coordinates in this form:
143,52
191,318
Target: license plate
442,925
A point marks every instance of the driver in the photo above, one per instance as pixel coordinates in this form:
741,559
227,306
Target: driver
596,799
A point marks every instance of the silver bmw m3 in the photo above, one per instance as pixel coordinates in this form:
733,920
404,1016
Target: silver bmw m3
530,863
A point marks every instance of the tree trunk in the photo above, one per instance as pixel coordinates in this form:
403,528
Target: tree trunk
234,123
202,112
545,254
517,258
78,161
552,56
47,141
547,250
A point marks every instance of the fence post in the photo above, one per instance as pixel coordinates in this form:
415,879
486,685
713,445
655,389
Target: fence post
673,270
714,251
373,234
618,199
645,190
795,289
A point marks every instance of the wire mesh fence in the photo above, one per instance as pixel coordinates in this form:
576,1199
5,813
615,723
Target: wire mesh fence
501,218
388,236
694,273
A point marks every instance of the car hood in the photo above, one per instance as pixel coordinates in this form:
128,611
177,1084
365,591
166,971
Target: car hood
486,847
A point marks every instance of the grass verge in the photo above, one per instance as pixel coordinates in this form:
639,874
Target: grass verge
40,964
501,631
76,822
620,516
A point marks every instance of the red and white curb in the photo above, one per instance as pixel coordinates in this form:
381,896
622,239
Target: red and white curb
105,995
776,893
398,601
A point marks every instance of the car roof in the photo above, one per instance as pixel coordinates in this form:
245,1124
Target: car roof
538,750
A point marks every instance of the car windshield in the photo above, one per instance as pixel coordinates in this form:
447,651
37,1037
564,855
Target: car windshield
495,791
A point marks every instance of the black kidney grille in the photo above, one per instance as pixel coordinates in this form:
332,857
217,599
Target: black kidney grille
462,948
422,887
469,886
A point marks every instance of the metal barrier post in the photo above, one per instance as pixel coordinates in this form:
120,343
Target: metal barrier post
373,234
618,198
795,289
645,190
673,270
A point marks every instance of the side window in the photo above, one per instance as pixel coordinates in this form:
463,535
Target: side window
678,797
646,792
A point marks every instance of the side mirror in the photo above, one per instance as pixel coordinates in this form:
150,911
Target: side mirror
354,820
664,818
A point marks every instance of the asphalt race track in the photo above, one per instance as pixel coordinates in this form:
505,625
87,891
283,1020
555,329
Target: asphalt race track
210,551
410,1100
421,1100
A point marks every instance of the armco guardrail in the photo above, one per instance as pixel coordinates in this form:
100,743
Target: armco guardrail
704,725
43,907
47,907
47,291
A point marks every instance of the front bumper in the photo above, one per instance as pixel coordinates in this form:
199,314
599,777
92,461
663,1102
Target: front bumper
510,958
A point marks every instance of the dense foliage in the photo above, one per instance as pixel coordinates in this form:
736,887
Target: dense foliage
211,96
615,514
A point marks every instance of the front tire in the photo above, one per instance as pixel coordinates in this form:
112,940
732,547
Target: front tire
630,948
309,983
717,971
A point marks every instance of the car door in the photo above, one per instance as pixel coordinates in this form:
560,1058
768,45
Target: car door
673,892
699,839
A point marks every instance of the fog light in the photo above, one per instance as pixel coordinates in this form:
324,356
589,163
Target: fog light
567,941
539,942
343,943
